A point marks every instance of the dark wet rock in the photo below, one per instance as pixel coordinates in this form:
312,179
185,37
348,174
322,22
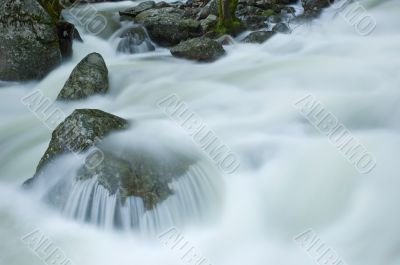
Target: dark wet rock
286,2
204,12
162,4
258,36
264,4
29,47
66,33
281,28
226,40
254,22
312,8
135,40
134,11
88,78
271,16
249,11
199,49
288,10
77,36
168,26
78,132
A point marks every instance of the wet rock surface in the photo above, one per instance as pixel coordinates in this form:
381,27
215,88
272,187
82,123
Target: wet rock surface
88,78
199,49
29,45
138,175
168,26
135,40
80,131
258,36
312,8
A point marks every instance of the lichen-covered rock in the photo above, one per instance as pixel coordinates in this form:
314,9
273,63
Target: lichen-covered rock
88,78
199,49
29,46
79,131
168,26
258,36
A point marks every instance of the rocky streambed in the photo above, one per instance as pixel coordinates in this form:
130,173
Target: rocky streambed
35,39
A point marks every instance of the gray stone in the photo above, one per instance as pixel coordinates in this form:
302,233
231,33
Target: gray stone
199,49
312,8
281,28
255,22
208,23
135,40
77,133
134,11
168,26
89,77
258,36
29,47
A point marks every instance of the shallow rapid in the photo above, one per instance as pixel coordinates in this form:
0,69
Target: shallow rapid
291,177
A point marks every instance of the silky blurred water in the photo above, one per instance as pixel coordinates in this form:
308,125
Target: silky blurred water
291,178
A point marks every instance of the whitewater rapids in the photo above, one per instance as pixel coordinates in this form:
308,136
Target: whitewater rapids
291,178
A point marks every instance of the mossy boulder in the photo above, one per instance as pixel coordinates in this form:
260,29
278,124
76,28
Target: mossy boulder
29,45
88,78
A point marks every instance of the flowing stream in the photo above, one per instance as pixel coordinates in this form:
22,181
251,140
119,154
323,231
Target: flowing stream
291,177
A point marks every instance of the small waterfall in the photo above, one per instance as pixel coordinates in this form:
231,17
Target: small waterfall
131,38
192,196
195,194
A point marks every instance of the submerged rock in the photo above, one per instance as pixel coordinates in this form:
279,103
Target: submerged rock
29,47
258,36
134,175
281,28
79,131
122,173
89,77
135,40
199,49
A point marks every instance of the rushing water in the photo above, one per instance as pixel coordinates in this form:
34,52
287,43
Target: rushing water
291,178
